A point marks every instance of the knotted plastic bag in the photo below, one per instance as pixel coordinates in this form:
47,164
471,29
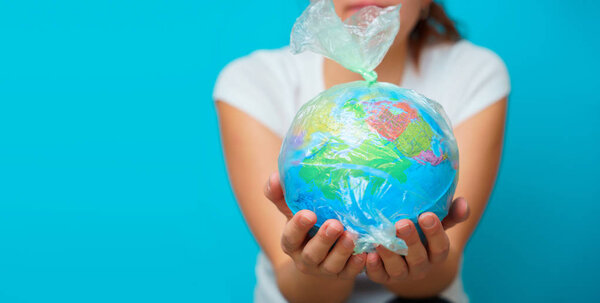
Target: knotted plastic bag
365,153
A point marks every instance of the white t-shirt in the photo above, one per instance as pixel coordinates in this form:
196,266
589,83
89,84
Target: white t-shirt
271,85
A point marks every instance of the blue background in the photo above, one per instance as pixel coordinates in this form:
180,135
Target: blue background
112,182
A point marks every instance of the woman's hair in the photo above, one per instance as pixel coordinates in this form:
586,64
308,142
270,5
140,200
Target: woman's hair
437,27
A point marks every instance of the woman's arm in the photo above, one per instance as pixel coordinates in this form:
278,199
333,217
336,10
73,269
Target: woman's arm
480,147
251,152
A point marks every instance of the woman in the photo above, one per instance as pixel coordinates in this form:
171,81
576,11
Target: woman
257,97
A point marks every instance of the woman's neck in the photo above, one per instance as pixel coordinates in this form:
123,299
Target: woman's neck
390,69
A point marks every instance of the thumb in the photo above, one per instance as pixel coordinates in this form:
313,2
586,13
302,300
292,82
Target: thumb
459,212
274,192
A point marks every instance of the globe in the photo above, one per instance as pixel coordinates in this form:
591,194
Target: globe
369,155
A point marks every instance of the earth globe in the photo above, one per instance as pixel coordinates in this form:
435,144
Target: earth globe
368,155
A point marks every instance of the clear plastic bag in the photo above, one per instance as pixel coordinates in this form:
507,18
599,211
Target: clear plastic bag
359,43
365,153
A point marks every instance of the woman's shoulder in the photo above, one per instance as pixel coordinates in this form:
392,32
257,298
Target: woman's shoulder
261,56
258,70
464,76
462,56
279,62
269,69
264,84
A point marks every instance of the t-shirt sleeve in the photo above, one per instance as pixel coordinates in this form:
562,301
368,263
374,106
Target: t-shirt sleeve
485,80
257,85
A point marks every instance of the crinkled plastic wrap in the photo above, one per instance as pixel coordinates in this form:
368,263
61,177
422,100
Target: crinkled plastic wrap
367,153
359,43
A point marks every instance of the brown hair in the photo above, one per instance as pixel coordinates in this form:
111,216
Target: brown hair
436,27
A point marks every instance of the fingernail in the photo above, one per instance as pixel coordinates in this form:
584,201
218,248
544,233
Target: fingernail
428,221
305,221
332,230
358,259
348,243
403,229
269,182
372,260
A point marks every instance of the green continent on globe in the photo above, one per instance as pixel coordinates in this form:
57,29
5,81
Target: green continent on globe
415,138
340,161
353,106
389,139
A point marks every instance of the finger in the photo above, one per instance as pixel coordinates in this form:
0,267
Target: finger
295,231
375,270
437,239
459,212
336,259
317,248
394,264
417,258
274,192
354,266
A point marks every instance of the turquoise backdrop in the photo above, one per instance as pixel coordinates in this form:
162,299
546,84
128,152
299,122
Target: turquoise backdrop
112,181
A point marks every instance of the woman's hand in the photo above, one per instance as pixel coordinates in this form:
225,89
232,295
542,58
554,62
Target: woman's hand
328,253
384,266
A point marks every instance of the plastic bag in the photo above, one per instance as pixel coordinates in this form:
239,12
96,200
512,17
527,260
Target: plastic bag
359,44
365,153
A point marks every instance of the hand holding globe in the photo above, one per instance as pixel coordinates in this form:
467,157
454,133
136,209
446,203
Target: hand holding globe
329,252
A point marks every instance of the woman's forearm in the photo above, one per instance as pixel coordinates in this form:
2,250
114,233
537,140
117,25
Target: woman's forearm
299,287
437,280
